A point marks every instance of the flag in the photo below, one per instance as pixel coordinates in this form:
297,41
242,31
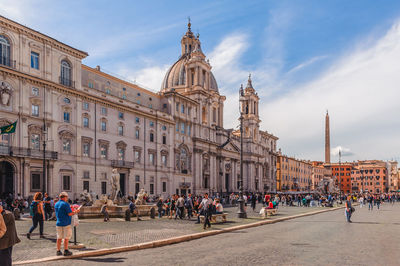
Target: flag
9,128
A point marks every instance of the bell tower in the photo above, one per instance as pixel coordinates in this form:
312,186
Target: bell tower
249,101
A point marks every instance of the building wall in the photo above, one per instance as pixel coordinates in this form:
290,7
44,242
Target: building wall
343,174
181,129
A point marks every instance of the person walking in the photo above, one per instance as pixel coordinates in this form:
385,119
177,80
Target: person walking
253,202
63,225
8,236
189,206
47,206
378,202
205,206
370,202
180,206
160,205
37,213
348,209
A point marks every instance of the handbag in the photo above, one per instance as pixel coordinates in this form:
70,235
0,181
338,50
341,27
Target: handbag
352,209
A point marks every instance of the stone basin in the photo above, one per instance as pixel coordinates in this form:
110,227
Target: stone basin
114,211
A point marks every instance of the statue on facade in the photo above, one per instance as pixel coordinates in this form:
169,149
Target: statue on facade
5,93
115,185
140,197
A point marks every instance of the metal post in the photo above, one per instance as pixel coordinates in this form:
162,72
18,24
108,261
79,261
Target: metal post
75,235
241,212
44,141
340,177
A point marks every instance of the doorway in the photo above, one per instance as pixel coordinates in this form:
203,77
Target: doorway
122,183
6,179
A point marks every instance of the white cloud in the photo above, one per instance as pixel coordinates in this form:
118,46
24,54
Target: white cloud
361,91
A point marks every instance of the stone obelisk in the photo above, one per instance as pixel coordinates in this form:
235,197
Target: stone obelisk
327,140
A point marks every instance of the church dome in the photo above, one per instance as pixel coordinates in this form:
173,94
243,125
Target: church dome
192,61
176,76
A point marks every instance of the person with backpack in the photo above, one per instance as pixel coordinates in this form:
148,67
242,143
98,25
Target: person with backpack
37,213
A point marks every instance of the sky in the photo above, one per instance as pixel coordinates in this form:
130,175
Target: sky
305,57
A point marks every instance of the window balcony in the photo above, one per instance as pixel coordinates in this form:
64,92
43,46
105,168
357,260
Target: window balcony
121,164
7,62
27,152
67,82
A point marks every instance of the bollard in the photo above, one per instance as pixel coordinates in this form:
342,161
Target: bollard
75,235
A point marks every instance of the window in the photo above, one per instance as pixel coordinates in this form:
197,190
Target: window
164,128
137,119
86,149
65,78
189,110
182,109
177,127
85,106
164,186
151,158
120,115
164,160
66,148
34,60
164,105
67,117
124,96
137,156
67,100
86,174
90,85
66,182
103,151
108,91
86,185
177,107
188,130
35,141
103,125
151,189
137,178
35,91
138,94
35,110
104,188
151,137
182,128
104,176
35,181
151,124
137,133
86,122
164,139
121,154
5,59
103,110
121,130
214,114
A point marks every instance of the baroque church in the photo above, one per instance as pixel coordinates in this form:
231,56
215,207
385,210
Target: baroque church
76,123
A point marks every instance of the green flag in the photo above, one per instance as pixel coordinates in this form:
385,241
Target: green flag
9,128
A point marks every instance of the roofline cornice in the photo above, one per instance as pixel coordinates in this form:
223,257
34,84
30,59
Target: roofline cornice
36,35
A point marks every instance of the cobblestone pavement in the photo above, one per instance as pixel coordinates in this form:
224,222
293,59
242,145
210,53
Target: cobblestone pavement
96,234
322,239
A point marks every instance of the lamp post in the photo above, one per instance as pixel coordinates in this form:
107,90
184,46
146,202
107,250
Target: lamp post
241,212
340,177
362,180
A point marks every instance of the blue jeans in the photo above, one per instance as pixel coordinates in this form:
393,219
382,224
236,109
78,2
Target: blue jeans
348,215
370,206
37,219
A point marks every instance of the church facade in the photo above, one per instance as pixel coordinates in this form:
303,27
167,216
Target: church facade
90,122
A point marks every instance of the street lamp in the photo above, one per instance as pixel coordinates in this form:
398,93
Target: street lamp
241,212
362,180
340,177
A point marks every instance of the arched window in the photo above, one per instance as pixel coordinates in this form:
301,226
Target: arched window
65,77
4,51
184,159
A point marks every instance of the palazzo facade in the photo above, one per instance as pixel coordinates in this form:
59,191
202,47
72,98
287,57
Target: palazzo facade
168,142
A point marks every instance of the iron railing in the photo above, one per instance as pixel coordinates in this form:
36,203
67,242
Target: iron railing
27,152
6,61
67,82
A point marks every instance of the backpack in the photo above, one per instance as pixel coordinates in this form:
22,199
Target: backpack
33,209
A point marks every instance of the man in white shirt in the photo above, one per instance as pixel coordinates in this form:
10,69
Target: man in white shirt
205,207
